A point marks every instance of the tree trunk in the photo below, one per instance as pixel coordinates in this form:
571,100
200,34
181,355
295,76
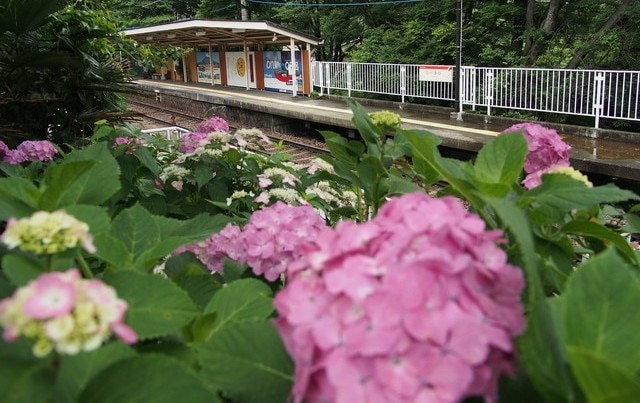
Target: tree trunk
608,24
544,32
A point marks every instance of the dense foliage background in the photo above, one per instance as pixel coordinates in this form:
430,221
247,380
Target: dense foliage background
555,33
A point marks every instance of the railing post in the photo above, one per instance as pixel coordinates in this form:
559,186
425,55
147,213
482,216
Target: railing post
328,74
488,90
320,76
472,86
403,82
349,80
598,97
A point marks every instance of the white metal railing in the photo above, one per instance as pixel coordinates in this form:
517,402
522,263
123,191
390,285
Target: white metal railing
597,93
169,133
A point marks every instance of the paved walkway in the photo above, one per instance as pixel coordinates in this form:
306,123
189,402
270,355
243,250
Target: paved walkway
612,157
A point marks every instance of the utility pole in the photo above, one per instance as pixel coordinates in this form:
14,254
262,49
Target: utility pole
458,69
244,13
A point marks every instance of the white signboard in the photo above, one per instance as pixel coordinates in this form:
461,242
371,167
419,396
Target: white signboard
238,67
442,74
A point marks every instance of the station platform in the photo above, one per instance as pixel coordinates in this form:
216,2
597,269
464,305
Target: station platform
617,154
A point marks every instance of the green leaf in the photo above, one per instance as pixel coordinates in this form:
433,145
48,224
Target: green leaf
21,269
501,160
370,133
200,287
601,381
77,370
248,362
113,251
58,179
147,378
599,231
97,218
157,306
99,183
540,346
397,185
146,159
339,148
632,223
598,317
18,198
559,194
203,174
242,300
25,380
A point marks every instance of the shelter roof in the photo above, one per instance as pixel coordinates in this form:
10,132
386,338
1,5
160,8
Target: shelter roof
195,32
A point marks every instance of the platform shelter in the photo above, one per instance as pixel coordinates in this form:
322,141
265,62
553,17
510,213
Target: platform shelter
250,54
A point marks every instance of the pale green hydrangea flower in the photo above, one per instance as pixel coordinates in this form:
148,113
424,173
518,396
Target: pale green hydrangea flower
386,120
48,233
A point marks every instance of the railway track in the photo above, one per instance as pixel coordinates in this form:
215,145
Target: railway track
154,116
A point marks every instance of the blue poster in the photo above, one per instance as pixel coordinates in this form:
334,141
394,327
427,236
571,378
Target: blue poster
279,72
208,70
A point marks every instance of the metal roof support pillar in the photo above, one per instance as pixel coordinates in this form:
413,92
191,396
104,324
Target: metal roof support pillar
210,63
184,68
247,71
294,77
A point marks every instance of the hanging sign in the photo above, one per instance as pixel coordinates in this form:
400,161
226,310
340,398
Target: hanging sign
442,74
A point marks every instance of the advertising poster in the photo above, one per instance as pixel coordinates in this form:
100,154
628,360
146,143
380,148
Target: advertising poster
205,71
238,67
279,72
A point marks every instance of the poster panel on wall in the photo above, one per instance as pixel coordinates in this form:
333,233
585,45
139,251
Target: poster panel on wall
279,72
238,67
205,71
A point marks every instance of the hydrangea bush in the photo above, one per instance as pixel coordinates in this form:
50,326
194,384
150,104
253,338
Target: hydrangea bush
137,256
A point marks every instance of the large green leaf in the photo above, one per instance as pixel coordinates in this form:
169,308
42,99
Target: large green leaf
540,346
147,378
20,269
599,231
248,362
157,306
25,380
598,314
559,194
242,300
58,179
18,197
97,218
21,16
501,160
99,183
601,381
370,133
77,370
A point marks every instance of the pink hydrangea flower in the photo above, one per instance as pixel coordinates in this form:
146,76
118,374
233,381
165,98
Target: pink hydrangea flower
214,124
53,295
546,148
271,240
42,150
4,150
274,236
65,313
419,304
191,141
224,244
28,151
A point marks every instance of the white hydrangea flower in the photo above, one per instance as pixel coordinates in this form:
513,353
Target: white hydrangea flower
174,171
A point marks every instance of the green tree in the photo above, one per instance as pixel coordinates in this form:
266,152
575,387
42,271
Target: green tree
60,69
